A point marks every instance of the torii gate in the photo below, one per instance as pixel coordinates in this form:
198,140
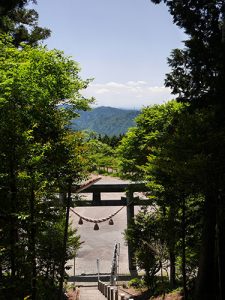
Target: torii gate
129,201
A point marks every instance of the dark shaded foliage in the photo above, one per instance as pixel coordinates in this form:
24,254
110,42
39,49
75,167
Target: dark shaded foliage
21,22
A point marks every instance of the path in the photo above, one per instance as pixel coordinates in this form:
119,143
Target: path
90,293
100,244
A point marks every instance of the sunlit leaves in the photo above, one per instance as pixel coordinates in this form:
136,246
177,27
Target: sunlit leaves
39,156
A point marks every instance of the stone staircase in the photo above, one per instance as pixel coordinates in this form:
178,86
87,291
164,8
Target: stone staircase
90,293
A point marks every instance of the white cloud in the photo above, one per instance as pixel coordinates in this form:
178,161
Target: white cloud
136,83
102,91
132,94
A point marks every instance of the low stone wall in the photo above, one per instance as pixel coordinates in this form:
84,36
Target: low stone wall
111,292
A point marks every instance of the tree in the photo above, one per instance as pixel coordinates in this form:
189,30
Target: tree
21,23
39,157
143,142
102,157
165,149
140,141
197,76
112,141
198,71
145,235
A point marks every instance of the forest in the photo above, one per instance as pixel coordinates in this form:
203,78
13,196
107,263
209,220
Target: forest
176,148
116,121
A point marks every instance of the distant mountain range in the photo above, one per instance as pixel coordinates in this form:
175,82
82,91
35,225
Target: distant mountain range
106,120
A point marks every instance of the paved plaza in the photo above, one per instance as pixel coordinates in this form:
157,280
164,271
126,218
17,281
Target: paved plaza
100,244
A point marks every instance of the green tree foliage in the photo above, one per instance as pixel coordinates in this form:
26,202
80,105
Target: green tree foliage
39,158
145,237
140,141
112,141
197,76
102,157
198,71
162,151
21,23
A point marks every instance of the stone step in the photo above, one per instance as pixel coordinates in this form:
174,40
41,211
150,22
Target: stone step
90,293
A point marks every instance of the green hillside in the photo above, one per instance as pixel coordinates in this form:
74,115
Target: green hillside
106,120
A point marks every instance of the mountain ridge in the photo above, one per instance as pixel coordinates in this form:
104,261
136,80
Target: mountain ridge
106,120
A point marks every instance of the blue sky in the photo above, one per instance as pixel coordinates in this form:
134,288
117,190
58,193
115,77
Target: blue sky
122,44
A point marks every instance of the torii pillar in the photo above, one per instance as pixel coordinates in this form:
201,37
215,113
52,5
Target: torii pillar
130,217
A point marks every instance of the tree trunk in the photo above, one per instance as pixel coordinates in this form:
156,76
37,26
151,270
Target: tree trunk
172,256
183,230
13,229
62,267
33,245
1,273
205,287
53,272
221,246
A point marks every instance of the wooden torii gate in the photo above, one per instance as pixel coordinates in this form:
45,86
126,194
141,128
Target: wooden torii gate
129,201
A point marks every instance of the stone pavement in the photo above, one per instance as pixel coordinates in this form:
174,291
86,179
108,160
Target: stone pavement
90,293
99,244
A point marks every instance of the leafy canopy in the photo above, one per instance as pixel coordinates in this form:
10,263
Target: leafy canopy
39,157
21,23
